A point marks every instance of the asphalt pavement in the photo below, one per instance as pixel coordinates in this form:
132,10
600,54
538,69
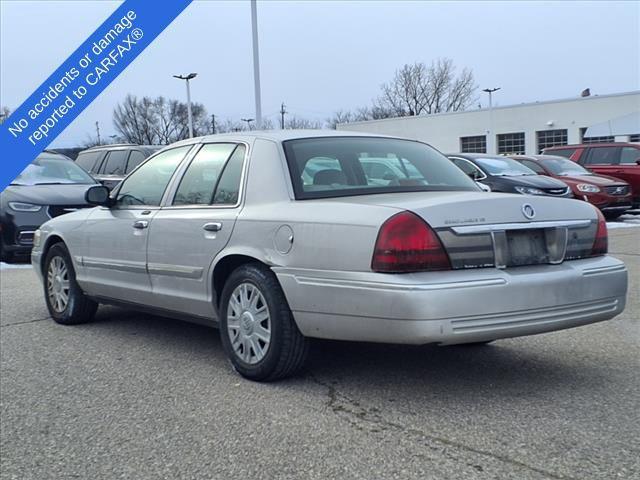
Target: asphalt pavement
141,397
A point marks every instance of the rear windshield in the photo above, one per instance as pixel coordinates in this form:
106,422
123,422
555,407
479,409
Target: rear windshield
342,166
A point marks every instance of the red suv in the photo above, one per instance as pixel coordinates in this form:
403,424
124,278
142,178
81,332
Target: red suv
611,195
620,160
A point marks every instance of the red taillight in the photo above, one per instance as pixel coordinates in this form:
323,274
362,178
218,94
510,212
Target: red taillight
407,244
601,242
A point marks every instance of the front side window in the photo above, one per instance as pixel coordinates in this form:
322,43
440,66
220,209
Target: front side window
340,166
603,156
115,162
147,184
469,168
199,181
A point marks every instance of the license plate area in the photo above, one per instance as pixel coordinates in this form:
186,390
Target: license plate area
526,247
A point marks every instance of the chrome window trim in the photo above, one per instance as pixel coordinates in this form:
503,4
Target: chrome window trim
174,184
500,227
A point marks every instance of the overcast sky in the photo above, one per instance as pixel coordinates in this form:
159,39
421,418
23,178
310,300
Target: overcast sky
319,57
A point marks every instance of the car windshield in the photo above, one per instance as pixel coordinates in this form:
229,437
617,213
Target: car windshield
503,167
563,167
52,170
340,166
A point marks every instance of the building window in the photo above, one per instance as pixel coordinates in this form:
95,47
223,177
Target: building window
551,138
607,139
477,144
634,138
511,143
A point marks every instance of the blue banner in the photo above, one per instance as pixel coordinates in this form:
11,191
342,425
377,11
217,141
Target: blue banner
80,79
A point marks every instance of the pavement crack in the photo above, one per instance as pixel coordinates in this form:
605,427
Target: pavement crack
25,322
370,419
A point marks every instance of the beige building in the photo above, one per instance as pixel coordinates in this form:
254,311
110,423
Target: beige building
526,128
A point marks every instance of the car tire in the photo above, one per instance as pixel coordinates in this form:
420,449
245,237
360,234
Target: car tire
257,329
66,302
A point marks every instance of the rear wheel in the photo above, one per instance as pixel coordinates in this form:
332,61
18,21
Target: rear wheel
257,329
66,302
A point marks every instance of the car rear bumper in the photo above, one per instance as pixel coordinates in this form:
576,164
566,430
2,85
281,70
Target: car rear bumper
455,307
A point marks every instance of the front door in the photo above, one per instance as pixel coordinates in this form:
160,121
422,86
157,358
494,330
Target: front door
114,260
193,228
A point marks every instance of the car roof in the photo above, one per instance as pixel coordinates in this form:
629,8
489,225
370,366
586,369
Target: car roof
278,136
116,146
603,144
537,158
472,156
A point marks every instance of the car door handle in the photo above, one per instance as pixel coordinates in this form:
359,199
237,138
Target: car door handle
212,227
140,224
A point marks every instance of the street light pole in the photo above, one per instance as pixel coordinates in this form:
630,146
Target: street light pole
256,63
491,143
187,78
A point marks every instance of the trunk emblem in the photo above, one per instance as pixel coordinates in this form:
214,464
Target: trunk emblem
528,211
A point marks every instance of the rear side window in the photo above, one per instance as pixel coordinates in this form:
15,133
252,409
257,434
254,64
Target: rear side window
115,162
87,160
629,155
603,156
147,184
136,157
326,167
561,152
199,181
228,189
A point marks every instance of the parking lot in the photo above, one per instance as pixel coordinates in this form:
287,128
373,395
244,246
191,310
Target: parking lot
136,396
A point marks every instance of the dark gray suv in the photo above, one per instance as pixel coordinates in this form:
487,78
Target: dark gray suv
109,164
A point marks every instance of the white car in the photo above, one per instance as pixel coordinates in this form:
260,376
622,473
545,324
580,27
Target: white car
278,237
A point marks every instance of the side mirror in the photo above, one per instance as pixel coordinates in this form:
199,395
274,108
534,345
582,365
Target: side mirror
98,195
638,161
485,188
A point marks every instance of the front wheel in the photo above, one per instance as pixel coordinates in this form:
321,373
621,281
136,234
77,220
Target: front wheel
66,302
257,329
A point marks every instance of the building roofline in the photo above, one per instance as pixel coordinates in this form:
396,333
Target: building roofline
502,107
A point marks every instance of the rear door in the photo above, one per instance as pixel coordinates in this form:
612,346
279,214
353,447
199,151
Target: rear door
629,170
193,226
115,254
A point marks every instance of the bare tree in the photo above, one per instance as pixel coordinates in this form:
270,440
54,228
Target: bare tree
157,121
296,122
418,89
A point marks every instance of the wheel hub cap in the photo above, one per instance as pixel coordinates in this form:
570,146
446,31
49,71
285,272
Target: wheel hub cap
58,284
248,323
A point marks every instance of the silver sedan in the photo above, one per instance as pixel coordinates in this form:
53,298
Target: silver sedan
281,236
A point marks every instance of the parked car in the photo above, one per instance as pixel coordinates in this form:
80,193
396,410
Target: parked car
503,174
50,186
611,195
619,160
234,229
110,163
